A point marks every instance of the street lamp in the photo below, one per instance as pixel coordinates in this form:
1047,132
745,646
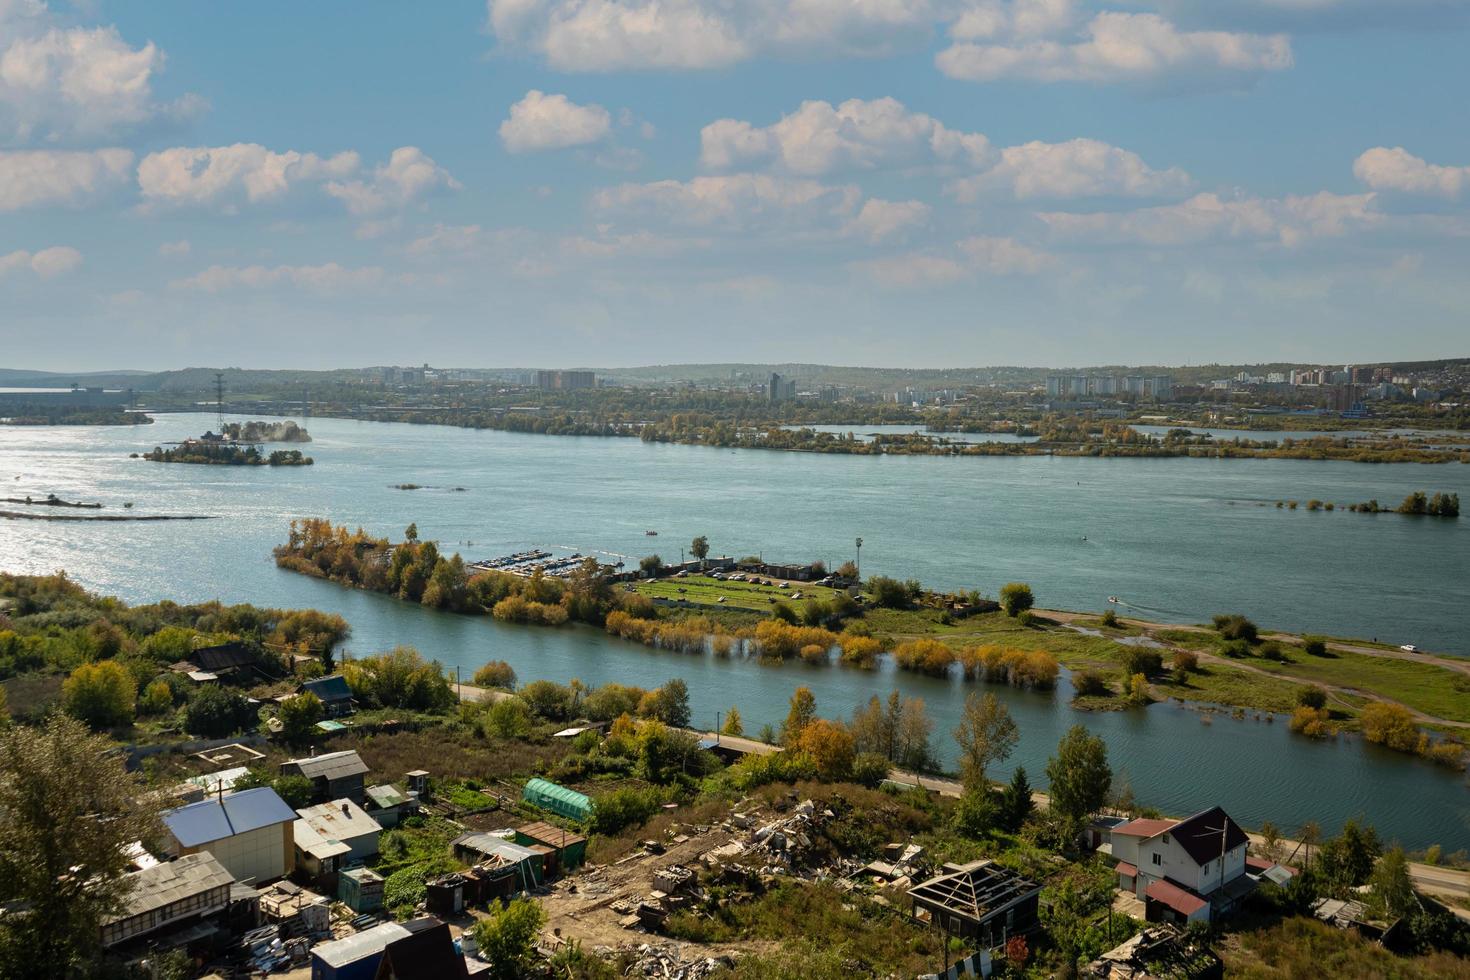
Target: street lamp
859,561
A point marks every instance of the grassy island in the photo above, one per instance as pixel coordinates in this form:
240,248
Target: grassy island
226,454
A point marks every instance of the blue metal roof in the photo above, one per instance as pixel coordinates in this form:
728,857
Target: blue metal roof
236,813
333,688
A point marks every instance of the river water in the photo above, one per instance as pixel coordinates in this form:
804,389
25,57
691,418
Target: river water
1179,539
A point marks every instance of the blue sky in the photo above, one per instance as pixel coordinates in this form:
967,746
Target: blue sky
613,182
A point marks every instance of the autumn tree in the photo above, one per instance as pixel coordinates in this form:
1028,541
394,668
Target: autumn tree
1016,598
495,674
71,810
986,735
899,730
803,712
831,748
100,694
699,547
732,724
1079,774
507,939
298,716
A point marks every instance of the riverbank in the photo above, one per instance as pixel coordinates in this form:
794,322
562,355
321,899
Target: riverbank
20,515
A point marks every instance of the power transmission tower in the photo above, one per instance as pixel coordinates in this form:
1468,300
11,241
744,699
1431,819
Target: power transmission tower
219,402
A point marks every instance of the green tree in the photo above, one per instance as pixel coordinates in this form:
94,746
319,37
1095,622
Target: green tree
400,678
507,718
298,717
495,674
1393,891
1347,860
732,724
157,698
215,712
803,711
671,703
411,533
650,565
699,547
507,939
100,694
986,735
70,810
1016,598
1016,803
1079,774
1312,697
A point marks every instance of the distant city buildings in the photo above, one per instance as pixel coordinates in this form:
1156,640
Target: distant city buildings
779,389
1061,386
565,380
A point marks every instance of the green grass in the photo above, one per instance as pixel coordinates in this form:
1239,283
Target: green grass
737,595
1433,690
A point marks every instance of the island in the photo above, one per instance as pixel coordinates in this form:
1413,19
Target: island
226,454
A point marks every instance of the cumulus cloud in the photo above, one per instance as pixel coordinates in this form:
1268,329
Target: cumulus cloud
248,173
330,277
1074,169
972,257
1321,15
48,263
62,84
409,176
553,122
738,202
1119,47
609,35
46,177
819,138
1210,217
880,220
1384,169
230,175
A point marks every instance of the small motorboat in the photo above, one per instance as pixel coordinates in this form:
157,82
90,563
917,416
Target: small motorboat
651,534
1114,599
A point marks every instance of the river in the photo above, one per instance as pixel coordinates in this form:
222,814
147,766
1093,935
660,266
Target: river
1180,539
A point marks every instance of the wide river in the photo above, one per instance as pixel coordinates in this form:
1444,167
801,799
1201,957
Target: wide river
1179,539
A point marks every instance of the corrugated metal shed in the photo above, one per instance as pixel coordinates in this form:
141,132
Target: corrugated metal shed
369,942
333,765
385,796
333,688
222,817
165,884
557,799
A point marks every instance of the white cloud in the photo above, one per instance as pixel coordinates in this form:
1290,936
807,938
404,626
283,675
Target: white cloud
738,202
446,238
1209,217
1120,47
1384,169
989,19
248,173
329,277
608,35
45,264
606,244
969,258
819,138
1074,169
66,84
553,122
409,176
229,175
175,249
880,220
32,178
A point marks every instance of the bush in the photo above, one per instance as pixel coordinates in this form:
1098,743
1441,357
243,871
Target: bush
1110,619
1390,725
627,806
1236,648
100,694
1027,618
1272,650
1141,660
1312,697
889,593
157,698
507,939
215,712
495,674
1314,646
1089,683
547,699
400,678
1016,598
869,769
859,651
1236,627
777,767
1311,722
507,718
924,657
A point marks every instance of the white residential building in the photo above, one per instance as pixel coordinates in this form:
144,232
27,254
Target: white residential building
1183,869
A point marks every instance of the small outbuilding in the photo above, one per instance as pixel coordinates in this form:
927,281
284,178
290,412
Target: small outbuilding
343,821
360,889
168,895
333,775
568,847
334,694
387,804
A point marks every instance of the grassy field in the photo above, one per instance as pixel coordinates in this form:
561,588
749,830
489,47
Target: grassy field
1425,687
737,595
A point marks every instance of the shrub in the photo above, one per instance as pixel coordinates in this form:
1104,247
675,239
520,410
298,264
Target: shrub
507,939
1026,618
1141,660
1236,648
783,641
889,593
1272,650
157,698
1016,598
401,678
100,694
814,653
626,806
1089,683
547,699
1314,646
1312,697
507,718
1110,619
298,716
777,767
215,712
830,746
1236,627
1390,725
495,674
924,657
859,651
1311,722
869,769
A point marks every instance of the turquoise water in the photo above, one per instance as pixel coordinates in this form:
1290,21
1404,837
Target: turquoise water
1178,538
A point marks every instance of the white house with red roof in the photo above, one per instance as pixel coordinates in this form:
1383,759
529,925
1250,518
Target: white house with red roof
1183,870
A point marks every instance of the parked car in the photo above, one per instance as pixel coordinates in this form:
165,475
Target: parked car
1409,648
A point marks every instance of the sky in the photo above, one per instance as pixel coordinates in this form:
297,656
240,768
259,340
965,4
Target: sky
560,183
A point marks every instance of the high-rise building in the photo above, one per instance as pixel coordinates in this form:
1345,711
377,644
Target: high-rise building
565,380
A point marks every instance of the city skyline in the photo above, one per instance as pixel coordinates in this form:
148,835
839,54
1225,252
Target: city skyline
572,182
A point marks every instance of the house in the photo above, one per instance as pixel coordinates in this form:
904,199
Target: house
343,822
250,833
1183,870
980,902
363,956
387,805
168,895
426,954
225,659
335,695
334,776
568,849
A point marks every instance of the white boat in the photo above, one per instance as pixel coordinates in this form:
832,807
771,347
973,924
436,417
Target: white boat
1114,599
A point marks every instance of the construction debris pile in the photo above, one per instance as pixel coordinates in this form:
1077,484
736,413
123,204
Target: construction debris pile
665,960
1159,951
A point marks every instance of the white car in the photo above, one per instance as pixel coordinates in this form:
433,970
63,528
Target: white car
1409,648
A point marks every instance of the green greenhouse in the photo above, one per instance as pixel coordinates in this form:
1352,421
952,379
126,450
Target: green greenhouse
558,799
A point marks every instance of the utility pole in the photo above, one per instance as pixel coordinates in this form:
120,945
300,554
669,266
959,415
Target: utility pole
859,561
219,402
